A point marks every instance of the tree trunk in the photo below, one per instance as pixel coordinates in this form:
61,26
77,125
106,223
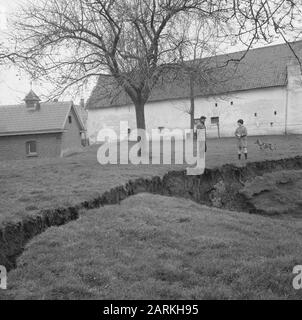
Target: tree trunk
192,103
140,115
140,122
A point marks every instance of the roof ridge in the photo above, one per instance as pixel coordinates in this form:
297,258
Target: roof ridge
246,50
42,103
269,46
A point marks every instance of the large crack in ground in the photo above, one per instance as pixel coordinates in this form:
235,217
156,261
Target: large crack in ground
219,187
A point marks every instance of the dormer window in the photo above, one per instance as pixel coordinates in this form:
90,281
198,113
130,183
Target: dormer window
33,105
30,105
32,101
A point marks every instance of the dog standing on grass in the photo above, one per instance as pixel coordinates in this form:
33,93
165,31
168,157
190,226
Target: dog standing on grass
265,145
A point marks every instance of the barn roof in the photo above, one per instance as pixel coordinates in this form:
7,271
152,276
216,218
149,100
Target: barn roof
260,68
51,117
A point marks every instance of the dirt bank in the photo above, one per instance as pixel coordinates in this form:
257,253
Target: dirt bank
217,187
275,193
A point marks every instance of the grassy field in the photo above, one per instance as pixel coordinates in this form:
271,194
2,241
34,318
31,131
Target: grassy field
29,186
154,247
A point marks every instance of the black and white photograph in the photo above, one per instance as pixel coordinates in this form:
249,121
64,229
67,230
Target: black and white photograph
150,153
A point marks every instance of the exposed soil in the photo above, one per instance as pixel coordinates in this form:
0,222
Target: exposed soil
220,187
275,193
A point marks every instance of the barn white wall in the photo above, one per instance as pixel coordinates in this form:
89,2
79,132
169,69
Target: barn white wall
265,111
108,118
294,106
167,114
256,107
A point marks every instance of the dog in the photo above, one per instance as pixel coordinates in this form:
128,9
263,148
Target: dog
264,145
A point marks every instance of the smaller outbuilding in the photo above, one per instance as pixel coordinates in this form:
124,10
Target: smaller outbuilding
36,129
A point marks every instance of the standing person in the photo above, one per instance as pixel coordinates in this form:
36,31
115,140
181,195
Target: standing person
202,125
241,135
201,147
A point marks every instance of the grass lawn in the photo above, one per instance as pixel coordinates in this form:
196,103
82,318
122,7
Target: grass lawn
155,247
29,186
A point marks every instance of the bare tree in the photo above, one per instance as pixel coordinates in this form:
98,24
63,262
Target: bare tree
249,23
68,42
5,56
200,42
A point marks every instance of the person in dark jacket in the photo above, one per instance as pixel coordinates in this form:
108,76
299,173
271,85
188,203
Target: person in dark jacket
202,126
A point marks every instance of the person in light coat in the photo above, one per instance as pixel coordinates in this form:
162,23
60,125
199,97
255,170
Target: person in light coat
241,135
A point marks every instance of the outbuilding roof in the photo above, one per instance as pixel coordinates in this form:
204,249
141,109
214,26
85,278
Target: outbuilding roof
51,117
260,68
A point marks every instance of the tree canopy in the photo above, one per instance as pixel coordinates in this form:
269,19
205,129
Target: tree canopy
67,42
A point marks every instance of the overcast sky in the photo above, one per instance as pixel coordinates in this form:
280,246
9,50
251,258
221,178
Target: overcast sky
13,85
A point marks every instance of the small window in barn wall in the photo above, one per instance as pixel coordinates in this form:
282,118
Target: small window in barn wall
69,119
232,103
31,148
216,104
275,113
255,114
215,120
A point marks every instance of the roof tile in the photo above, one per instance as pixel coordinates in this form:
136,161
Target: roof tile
260,68
50,117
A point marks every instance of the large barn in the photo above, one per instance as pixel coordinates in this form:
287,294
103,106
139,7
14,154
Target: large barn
264,89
